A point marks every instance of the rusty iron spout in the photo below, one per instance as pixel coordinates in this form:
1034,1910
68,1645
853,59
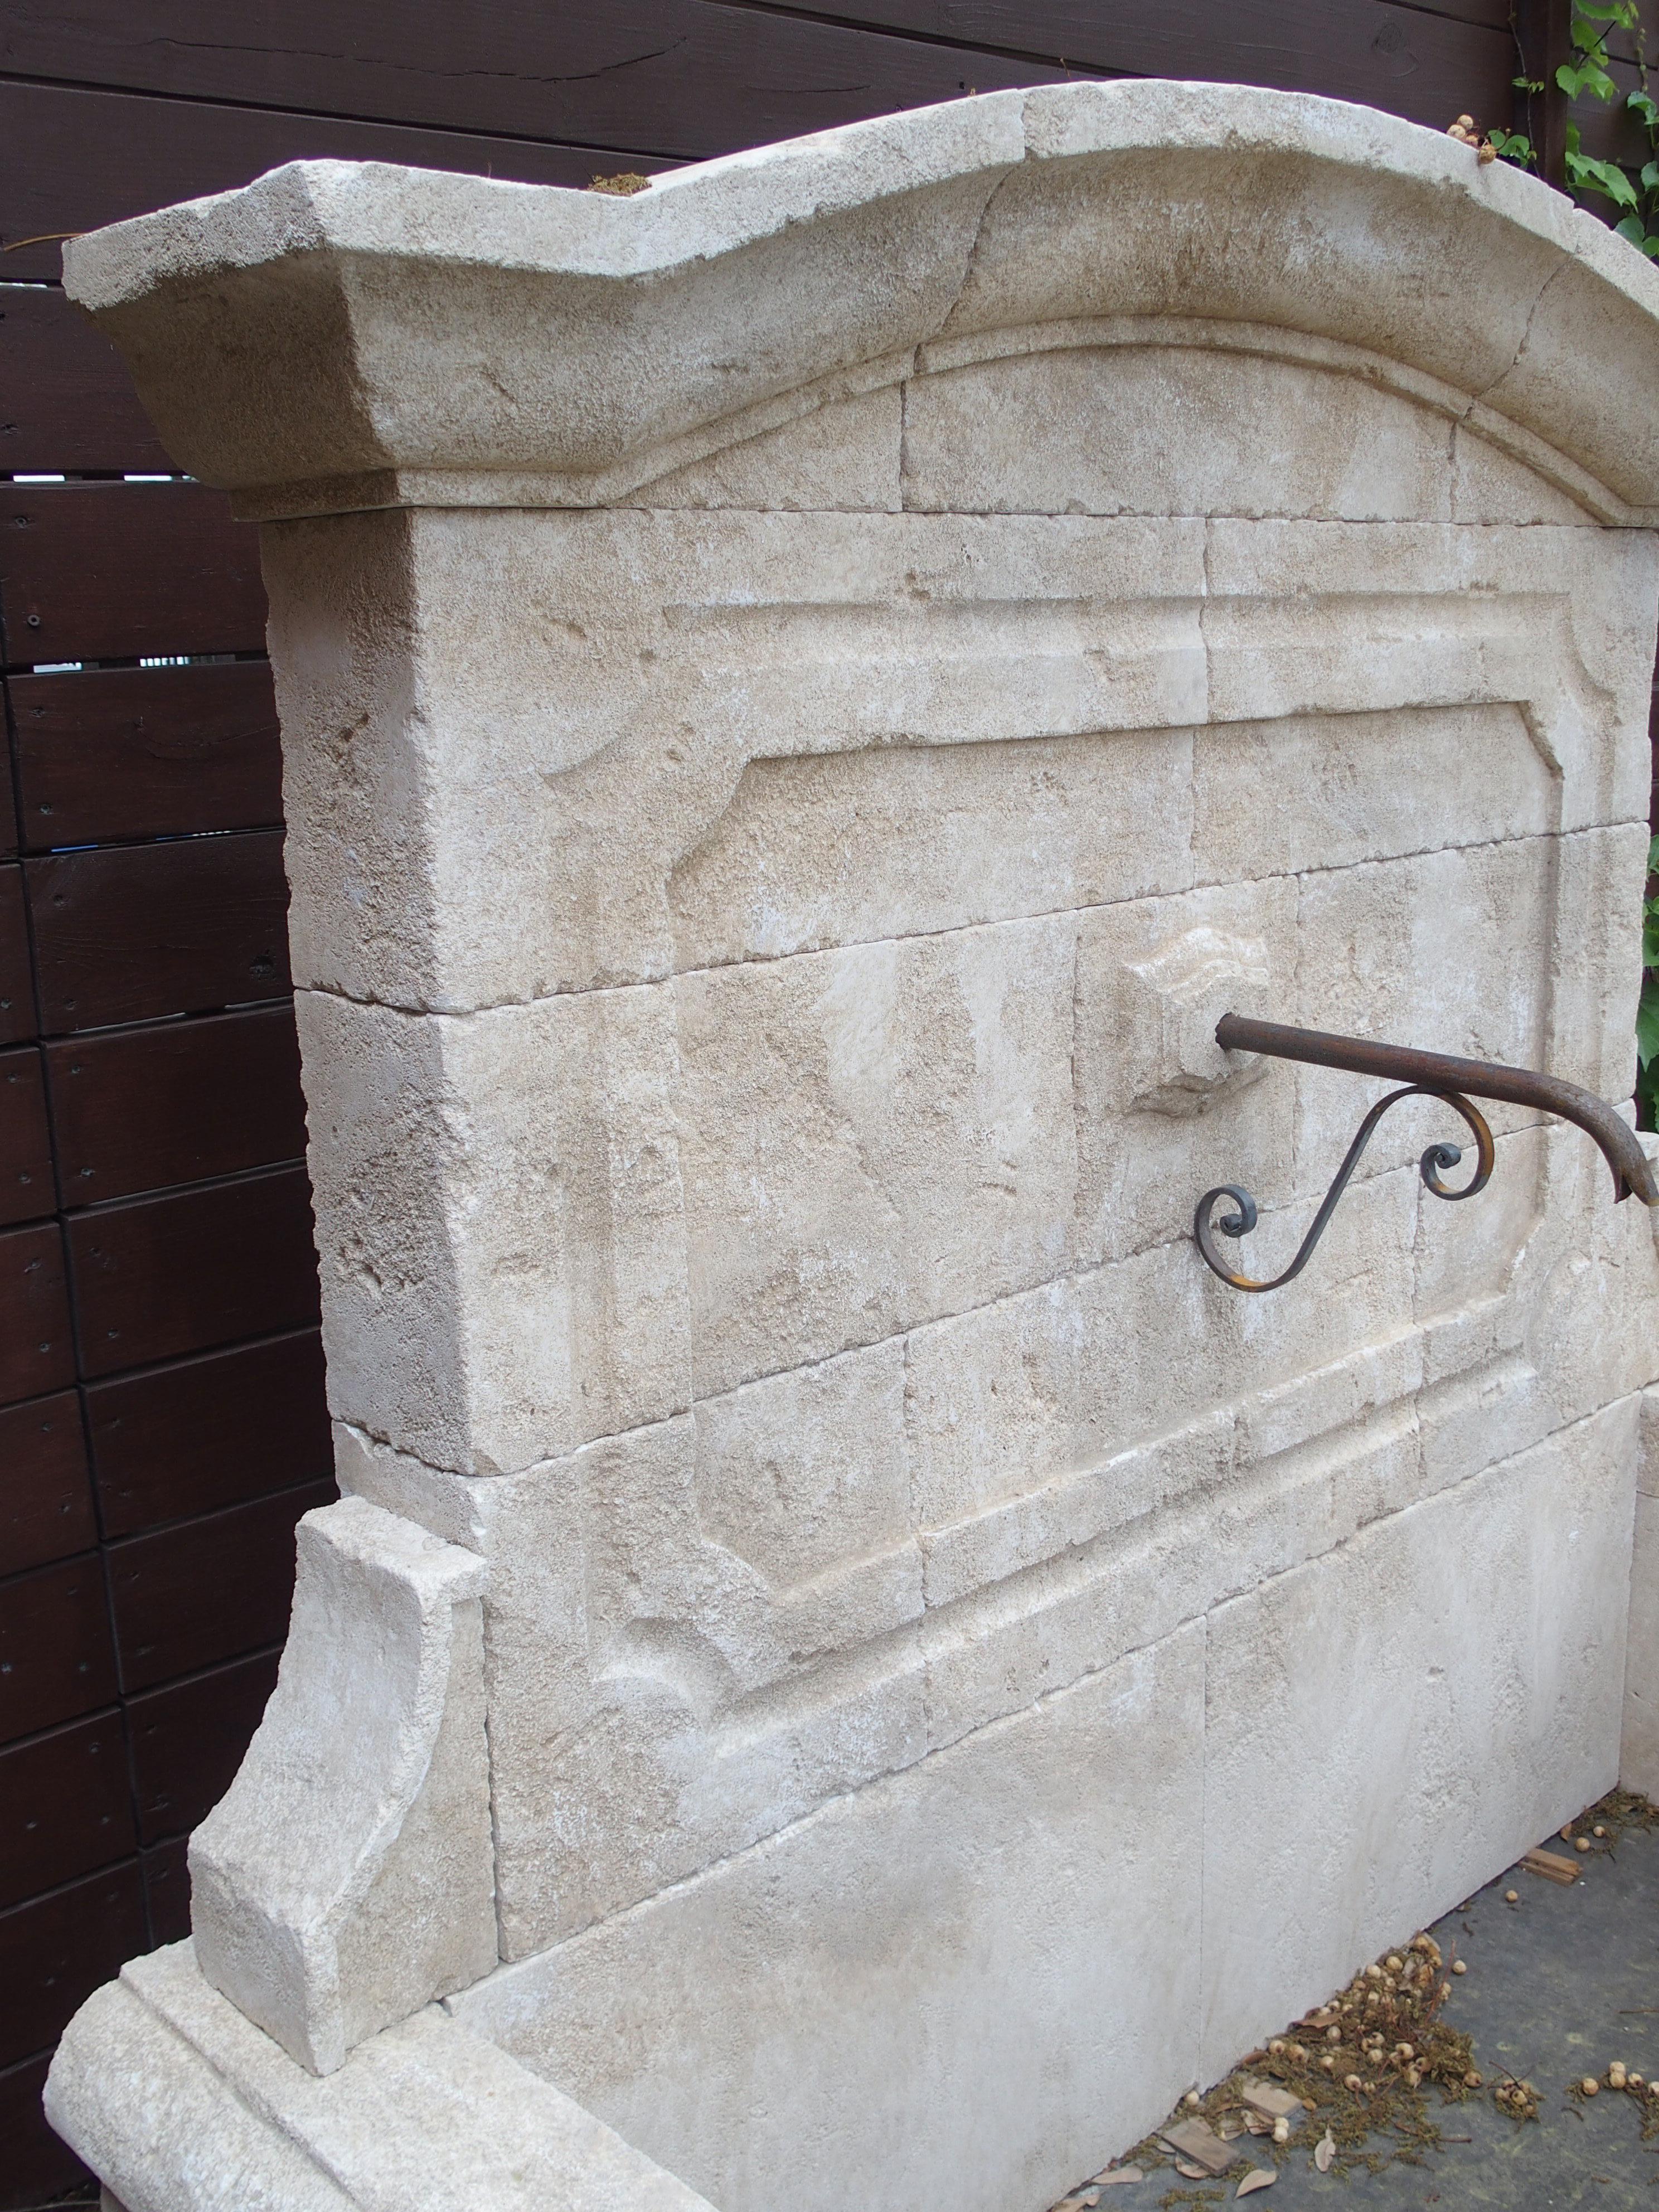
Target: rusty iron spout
1443,1072
1439,1075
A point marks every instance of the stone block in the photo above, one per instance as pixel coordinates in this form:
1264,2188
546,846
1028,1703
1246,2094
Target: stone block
1322,792
422,2118
1639,1755
918,1157
346,1877
1205,423
938,1943
842,454
500,1221
1430,1696
894,840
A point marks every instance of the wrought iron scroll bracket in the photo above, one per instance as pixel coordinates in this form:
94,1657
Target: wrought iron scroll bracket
1422,1075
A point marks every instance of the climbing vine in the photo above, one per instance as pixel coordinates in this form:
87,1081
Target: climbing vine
1633,186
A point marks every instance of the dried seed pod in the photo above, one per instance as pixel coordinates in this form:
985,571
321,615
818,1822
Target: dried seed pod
1413,2077
1511,1897
1328,2063
1582,1844
1590,2085
1373,1972
1635,2081
1277,2047
1617,2077
1466,123
1488,152
1332,2035
1472,2080
1281,2130
1352,2082
1393,1962
1193,2099
1459,1966
1598,1830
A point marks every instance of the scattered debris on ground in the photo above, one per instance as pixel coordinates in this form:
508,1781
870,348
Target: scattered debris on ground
1349,2082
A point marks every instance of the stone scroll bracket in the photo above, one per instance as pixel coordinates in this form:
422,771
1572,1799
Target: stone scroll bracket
346,1878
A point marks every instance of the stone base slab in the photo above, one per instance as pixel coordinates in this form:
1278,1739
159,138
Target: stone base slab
182,2105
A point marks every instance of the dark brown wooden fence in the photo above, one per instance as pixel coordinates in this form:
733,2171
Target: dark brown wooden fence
161,1419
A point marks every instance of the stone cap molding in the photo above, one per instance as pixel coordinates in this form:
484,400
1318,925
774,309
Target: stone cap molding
339,336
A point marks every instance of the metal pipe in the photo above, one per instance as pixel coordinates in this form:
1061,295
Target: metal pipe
1441,1072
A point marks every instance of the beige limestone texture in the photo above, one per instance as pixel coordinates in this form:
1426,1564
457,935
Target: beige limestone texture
806,693
341,334
959,1923
203,2109
1638,1756
345,1878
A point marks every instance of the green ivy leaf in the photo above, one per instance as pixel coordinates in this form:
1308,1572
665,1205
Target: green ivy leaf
1589,77
1643,104
1631,227
1514,146
1647,1022
1604,178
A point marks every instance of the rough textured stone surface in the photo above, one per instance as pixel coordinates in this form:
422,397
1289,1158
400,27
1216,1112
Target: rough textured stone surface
203,2109
1638,1757
346,1878
807,692
956,1923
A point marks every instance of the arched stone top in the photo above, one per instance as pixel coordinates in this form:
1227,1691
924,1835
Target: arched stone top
339,336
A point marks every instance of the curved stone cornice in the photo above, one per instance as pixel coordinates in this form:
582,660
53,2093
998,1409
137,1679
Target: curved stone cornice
340,335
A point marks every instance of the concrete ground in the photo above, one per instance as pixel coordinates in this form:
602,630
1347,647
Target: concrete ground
1558,1987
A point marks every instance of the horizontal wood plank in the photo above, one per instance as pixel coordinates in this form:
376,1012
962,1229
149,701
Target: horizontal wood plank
107,571
17,1014
69,403
65,1807
25,1179
45,1492
157,1277
55,1658
37,1350
138,1110
167,1891
41,2167
207,1590
210,1431
8,807
1425,66
138,931
76,159
188,1741
686,78
55,1951
112,753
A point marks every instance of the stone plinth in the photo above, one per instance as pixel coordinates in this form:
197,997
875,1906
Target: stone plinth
806,693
